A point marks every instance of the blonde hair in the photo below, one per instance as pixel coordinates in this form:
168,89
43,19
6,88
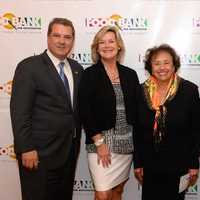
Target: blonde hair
99,35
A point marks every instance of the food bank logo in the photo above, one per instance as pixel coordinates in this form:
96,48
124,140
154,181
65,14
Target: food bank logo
11,22
196,22
83,185
192,190
83,58
190,59
7,151
136,23
6,88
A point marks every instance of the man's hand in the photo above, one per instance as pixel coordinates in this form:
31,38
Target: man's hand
30,159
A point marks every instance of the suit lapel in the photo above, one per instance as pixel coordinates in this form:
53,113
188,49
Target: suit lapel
55,77
75,74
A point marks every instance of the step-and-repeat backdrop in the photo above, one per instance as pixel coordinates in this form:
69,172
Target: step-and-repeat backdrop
142,23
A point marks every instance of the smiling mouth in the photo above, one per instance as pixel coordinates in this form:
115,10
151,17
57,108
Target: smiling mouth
107,51
60,47
163,74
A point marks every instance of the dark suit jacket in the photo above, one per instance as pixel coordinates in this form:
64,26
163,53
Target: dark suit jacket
179,149
98,101
41,114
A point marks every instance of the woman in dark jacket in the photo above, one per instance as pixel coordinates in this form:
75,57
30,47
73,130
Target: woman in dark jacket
108,109
167,136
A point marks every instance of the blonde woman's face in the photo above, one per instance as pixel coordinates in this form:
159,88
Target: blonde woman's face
108,47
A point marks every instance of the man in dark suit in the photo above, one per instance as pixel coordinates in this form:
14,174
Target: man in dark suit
44,115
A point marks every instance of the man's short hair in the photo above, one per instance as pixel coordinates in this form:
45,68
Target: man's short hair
62,21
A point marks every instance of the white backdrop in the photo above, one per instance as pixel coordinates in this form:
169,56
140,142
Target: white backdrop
143,23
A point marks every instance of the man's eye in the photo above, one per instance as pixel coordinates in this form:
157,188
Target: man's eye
56,36
68,37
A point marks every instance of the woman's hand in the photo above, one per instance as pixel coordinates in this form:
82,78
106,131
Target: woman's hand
139,174
103,155
193,176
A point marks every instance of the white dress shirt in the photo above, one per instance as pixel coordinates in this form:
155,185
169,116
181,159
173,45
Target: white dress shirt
67,71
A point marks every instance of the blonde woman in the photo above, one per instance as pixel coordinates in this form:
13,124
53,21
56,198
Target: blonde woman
107,107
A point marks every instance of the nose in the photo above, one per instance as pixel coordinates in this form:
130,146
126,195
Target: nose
62,40
106,44
162,65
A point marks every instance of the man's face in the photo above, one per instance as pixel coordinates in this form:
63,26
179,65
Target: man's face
60,41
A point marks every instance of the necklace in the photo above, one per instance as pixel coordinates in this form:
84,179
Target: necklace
113,75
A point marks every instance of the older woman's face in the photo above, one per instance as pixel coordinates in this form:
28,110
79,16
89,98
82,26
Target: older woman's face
108,47
162,66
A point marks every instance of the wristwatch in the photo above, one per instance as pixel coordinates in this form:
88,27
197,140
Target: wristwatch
99,141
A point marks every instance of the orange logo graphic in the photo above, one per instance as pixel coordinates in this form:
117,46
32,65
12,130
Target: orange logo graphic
7,87
8,151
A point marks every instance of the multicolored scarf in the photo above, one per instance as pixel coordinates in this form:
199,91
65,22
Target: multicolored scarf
156,103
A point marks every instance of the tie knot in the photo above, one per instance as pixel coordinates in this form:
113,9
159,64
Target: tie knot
61,65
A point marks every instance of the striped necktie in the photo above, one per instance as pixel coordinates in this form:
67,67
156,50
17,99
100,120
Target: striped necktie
64,79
